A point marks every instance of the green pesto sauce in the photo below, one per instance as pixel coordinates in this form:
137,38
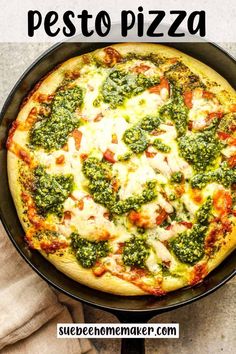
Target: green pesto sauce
136,139
177,177
200,149
52,132
150,123
135,251
203,213
48,235
100,178
160,146
124,157
88,252
50,191
223,175
176,110
137,200
182,77
189,245
228,123
120,85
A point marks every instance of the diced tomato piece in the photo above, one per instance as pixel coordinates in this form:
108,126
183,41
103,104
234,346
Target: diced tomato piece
112,56
223,135
150,154
140,68
213,115
186,223
106,215
169,227
232,141
109,156
60,160
208,95
84,156
188,97
222,202
99,269
77,135
232,161
161,217
67,215
139,219
120,248
134,216
164,83
98,117
81,204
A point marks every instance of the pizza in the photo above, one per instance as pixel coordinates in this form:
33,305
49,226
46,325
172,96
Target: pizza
121,164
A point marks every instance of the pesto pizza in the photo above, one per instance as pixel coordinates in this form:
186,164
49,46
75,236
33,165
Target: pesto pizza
121,164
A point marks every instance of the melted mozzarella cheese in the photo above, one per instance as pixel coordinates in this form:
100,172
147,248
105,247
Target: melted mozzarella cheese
90,222
152,264
134,176
161,251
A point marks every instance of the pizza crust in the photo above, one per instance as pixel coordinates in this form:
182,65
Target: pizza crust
68,263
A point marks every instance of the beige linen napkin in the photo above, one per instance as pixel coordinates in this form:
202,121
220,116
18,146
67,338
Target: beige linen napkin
30,309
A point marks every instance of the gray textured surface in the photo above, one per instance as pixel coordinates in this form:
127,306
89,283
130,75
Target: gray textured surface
206,327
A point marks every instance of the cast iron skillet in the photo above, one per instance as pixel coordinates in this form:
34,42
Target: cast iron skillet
127,309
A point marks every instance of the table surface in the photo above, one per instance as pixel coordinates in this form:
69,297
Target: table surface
206,326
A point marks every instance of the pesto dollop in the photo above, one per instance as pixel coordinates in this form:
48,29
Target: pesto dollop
189,245
52,132
200,149
136,139
150,123
160,146
135,251
100,186
120,85
135,201
223,175
50,191
177,177
203,213
88,252
176,110
100,178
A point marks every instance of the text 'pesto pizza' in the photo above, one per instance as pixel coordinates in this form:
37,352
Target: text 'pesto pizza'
121,164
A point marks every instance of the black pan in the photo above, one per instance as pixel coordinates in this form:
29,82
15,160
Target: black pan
127,309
